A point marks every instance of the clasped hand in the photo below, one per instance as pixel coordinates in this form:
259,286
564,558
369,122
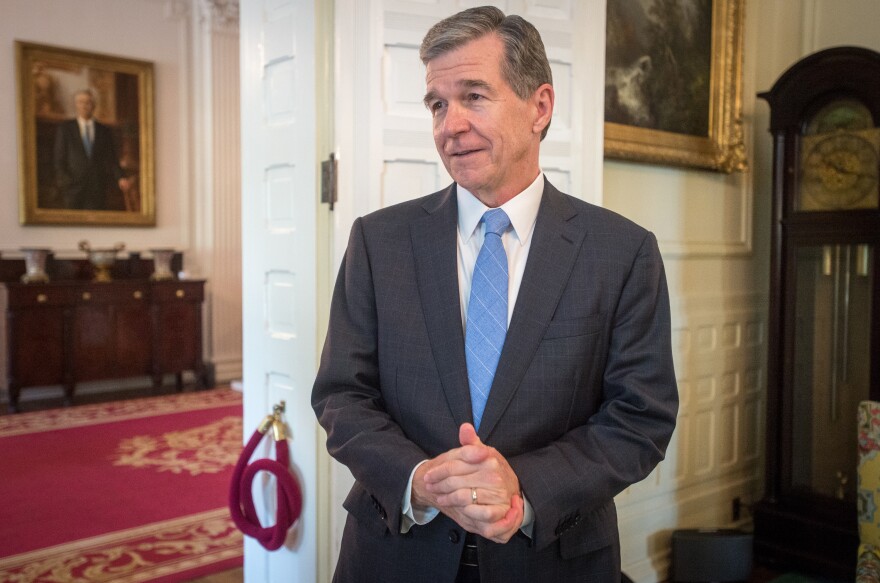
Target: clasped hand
450,482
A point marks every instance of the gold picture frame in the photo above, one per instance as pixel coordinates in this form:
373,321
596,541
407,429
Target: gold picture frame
635,127
64,177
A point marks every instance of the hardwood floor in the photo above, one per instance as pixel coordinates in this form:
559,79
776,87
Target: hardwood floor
53,399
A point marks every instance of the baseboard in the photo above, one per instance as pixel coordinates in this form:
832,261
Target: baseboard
227,369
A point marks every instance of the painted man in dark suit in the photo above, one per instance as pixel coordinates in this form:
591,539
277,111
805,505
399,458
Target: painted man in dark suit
583,401
87,169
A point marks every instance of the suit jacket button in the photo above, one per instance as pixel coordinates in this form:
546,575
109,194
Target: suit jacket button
563,526
454,537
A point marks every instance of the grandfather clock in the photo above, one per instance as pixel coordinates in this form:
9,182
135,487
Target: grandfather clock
824,320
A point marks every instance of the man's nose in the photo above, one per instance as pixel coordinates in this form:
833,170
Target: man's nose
456,120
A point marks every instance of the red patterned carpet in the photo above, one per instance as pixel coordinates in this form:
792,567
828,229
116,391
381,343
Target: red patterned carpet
128,491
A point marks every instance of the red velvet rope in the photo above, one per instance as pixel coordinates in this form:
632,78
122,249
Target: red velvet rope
241,499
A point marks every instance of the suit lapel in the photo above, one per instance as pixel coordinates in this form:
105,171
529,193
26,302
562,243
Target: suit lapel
555,246
435,250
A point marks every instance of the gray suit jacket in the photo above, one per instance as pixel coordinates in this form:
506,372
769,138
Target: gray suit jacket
583,403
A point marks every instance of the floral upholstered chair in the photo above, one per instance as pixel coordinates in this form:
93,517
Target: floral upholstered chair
868,566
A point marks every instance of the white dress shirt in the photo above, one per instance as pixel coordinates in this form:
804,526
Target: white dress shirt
86,128
522,210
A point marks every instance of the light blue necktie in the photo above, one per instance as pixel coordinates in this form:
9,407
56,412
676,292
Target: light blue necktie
487,312
87,142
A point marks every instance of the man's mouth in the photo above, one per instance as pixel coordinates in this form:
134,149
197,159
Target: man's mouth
463,153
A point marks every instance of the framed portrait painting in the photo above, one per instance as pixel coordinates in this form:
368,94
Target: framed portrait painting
673,83
85,124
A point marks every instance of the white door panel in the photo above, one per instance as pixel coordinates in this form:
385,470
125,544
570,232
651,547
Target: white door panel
279,260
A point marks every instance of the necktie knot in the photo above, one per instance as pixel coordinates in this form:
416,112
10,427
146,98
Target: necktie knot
496,221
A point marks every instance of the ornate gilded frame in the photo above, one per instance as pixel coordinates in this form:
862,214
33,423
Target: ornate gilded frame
48,77
723,148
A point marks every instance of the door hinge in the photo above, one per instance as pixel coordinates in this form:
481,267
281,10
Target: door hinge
328,180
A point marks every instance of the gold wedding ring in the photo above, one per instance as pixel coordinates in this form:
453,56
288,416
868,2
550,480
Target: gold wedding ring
473,495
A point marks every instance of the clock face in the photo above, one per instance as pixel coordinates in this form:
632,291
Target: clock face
840,114
839,171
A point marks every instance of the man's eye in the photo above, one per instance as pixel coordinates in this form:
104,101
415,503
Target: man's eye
474,97
435,106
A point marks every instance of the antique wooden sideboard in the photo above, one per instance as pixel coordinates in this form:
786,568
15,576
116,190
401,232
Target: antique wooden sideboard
73,330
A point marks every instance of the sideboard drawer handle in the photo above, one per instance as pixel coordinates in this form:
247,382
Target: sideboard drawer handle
42,298
138,294
87,296
180,293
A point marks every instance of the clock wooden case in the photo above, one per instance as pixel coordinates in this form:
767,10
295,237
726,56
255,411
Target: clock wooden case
824,308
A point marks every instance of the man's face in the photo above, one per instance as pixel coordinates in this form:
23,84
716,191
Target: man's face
487,137
84,105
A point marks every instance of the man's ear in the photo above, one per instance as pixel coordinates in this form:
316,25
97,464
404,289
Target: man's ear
543,100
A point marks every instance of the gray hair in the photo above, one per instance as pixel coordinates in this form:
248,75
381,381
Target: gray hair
525,66
88,92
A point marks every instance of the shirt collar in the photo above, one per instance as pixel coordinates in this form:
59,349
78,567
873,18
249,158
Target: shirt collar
522,210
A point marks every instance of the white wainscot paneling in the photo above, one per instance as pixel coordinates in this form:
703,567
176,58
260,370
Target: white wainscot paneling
728,431
729,384
731,335
719,363
706,338
676,453
751,437
704,393
703,440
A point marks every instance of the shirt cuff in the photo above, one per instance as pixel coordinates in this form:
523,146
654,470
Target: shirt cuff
528,524
412,516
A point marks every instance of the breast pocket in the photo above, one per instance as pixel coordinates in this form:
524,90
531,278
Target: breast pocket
574,327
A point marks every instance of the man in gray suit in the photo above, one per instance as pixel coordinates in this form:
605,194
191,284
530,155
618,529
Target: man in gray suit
488,434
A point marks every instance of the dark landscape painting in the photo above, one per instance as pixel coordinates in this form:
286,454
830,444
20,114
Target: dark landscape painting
658,64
